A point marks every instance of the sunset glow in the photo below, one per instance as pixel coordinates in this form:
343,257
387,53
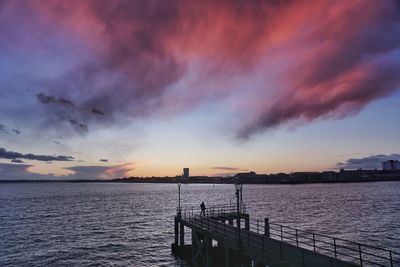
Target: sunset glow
106,89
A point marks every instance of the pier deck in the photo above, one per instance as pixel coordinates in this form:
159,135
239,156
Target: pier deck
261,243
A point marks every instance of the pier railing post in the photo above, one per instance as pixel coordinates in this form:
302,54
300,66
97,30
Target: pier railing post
334,247
228,234
225,229
313,239
391,259
266,227
257,227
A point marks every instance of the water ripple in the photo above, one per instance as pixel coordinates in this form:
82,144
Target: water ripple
64,224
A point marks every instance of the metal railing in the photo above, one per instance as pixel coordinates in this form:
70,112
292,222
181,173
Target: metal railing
214,210
338,248
259,230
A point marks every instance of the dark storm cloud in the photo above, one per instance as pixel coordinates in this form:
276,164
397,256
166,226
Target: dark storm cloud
74,114
77,124
17,161
98,111
4,154
50,99
370,162
104,160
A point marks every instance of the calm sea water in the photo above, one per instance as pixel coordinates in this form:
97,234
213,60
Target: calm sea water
85,224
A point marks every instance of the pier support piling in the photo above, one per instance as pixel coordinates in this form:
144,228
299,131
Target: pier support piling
247,224
237,247
182,236
176,230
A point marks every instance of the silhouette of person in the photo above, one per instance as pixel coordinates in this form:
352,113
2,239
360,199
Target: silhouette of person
203,209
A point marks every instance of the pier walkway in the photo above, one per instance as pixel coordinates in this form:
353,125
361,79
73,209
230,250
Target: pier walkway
217,241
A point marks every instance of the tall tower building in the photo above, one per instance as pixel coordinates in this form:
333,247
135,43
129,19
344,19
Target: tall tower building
186,173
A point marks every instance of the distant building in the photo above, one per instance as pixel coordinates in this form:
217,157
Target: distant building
357,174
391,165
250,177
246,175
185,173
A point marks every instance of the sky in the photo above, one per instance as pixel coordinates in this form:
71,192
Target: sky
105,89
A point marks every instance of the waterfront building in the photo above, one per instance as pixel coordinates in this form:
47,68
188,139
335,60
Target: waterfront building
391,165
185,173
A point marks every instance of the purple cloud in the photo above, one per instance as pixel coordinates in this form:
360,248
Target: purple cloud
4,154
10,171
370,162
136,59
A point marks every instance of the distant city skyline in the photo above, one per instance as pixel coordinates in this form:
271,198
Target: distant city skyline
107,89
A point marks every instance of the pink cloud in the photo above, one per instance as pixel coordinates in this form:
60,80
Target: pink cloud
325,59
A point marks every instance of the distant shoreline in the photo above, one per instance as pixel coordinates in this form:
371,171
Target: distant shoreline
344,176
169,181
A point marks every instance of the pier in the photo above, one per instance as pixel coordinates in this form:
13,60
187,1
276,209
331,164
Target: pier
226,236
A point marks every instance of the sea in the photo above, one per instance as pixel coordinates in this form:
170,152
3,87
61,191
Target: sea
131,224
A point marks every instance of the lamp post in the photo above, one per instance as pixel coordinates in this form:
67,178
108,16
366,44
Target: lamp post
179,197
238,189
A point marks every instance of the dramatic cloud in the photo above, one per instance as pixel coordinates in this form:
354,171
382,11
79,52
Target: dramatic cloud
15,172
273,62
225,174
104,160
4,154
226,168
49,99
88,172
10,171
74,122
17,161
226,171
99,172
98,111
18,132
5,130
371,162
22,172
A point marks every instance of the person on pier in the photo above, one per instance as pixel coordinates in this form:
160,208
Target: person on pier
203,209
